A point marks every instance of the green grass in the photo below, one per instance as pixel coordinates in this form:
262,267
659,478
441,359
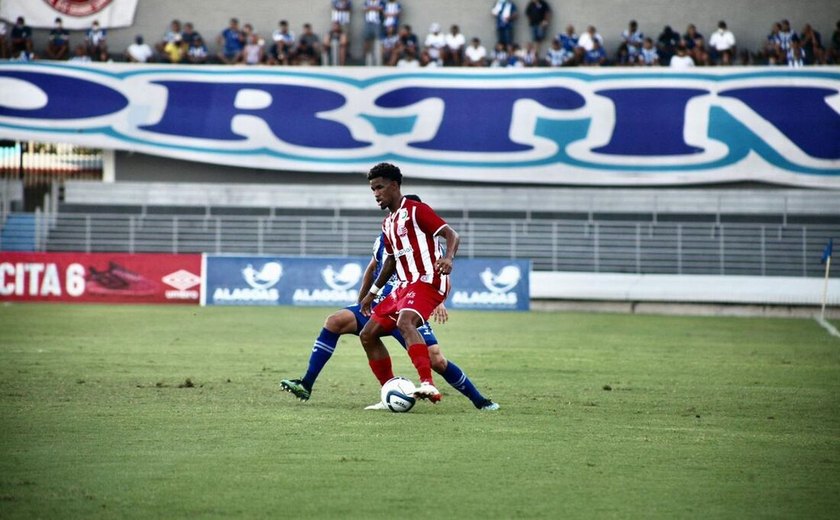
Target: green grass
603,416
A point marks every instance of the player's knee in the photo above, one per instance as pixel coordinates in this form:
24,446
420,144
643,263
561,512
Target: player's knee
438,362
368,337
341,322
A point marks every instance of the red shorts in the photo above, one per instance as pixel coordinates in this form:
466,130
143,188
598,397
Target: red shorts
418,297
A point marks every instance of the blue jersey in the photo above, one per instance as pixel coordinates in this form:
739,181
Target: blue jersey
379,257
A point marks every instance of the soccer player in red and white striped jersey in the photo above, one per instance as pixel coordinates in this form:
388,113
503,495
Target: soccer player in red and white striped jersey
411,233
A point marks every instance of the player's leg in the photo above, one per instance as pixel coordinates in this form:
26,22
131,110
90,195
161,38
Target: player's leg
382,322
338,323
413,312
452,373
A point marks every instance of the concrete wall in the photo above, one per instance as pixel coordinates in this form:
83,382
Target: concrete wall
750,20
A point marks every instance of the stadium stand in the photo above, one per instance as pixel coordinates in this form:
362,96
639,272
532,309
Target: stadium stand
644,231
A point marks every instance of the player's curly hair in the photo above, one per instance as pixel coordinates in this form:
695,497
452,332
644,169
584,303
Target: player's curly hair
386,171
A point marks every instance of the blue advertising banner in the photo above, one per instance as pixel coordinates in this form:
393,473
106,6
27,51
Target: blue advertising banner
489,284
267,280
610,126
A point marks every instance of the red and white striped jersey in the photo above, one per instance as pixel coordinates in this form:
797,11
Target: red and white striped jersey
410,237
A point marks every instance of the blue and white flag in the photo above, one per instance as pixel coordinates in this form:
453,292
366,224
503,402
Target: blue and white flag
827,251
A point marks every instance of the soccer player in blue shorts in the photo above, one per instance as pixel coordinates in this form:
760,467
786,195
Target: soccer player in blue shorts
350,320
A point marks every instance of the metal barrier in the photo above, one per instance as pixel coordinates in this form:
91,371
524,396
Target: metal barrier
552,245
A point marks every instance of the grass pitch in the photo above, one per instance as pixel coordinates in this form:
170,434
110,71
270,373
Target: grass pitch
175,412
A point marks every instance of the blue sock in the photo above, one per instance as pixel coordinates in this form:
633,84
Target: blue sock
322,351
459,380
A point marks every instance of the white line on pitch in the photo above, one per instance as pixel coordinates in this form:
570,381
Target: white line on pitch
827,326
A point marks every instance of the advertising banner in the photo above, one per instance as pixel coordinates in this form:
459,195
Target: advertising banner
266,280
334,282
100,277
627,127
490,284
76,14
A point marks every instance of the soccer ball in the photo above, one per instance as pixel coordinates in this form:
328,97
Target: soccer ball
398,394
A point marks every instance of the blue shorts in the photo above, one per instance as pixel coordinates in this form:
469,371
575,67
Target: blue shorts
425,330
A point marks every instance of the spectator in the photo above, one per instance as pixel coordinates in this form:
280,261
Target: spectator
24,56
596,56
557,55
169,35
475,55
96,41
834,50
812,45
786,36
197,53
722,45
389,44
529,55
248,30
21,37
648,56
58,46
391,12
666,43
515,57
406,41
435,43
500,55
587,40
341,12
308,50
699,53
454,50
176,50
795,54
232,40
336,43
681,60
569,42
506,14
373,29
772,52
80,54
252,53
408,59
4,49
189,34
631,42
690,36
538,13
284,44
427,61
139,51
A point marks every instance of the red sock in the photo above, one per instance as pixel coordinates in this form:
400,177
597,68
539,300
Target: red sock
381,369
419,354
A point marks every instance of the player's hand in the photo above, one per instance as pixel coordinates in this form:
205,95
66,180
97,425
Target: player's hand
365,304
440,314
443,265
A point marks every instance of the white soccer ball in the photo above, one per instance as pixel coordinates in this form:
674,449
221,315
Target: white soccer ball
398,394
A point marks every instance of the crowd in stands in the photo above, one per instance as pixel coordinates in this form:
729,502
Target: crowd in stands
389,41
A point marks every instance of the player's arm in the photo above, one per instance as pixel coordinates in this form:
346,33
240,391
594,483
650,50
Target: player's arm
389,265
367,280
453,240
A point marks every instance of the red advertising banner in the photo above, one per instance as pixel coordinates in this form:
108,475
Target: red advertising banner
100,277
